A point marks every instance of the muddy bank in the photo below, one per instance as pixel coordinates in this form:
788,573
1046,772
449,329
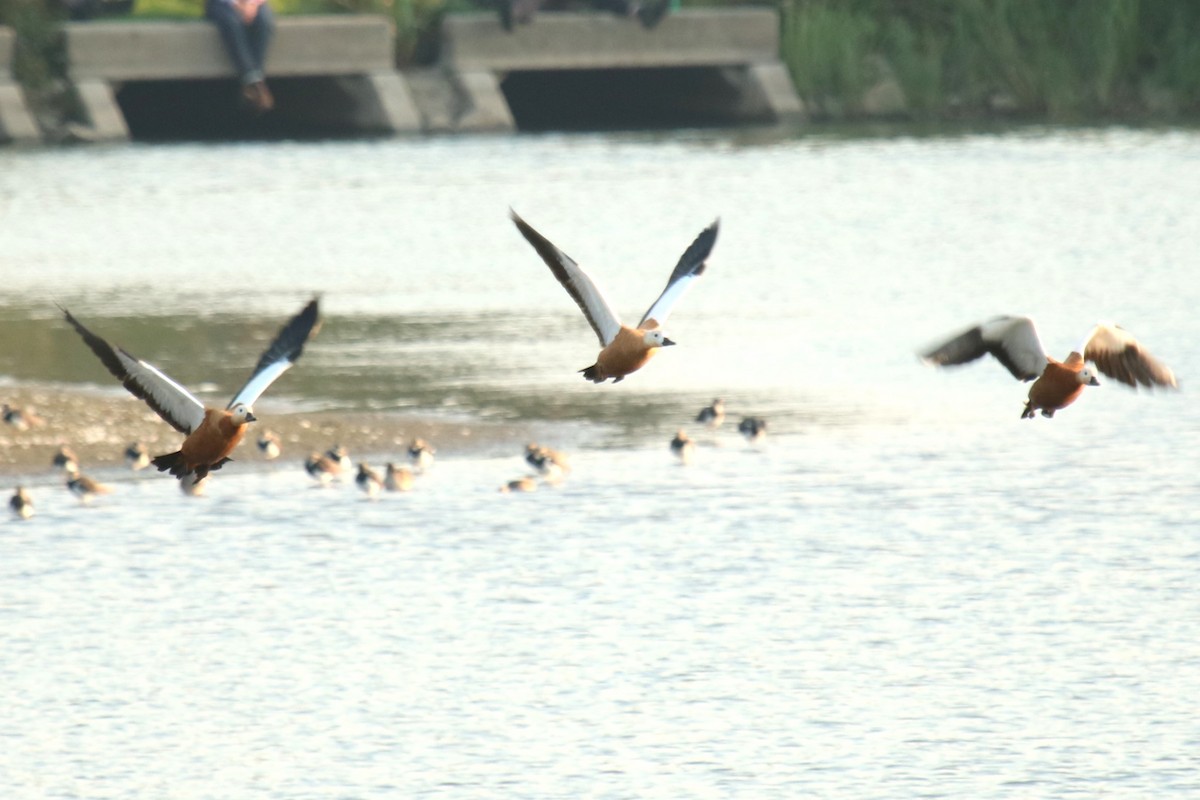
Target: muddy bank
98,426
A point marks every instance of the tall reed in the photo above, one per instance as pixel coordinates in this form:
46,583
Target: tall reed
1059,58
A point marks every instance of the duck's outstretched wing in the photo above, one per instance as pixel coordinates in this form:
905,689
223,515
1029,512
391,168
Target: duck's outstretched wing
281,354
169,400
579,285
1012,340
1118,355
690,267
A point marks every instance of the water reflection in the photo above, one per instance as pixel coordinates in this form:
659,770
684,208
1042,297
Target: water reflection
474,365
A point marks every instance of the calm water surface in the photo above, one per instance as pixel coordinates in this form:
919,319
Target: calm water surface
906,592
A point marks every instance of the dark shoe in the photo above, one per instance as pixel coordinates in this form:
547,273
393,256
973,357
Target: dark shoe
258,97
266,99
250,95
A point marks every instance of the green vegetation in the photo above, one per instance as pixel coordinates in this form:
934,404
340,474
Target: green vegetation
38,58
1061,59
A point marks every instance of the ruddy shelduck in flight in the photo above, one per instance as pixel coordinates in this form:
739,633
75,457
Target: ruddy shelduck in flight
625,349
1056,384
212,433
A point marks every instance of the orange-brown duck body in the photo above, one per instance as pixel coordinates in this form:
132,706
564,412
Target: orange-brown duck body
625,354
1060,384
208,447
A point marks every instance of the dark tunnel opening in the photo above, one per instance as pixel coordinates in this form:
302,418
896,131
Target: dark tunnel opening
329,107
306,108
622,99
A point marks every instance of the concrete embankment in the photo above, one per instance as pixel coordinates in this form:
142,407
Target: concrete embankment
336,74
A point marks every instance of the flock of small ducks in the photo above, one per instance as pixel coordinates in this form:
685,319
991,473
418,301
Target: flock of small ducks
712,417
212,434
547,466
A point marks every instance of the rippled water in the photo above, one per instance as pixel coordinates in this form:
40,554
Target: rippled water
906,591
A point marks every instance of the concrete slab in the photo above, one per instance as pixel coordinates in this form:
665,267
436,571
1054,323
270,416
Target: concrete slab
779,94
392,109
165,50
101,111
436,98
484,108
16,123
349,58
553,41
739,46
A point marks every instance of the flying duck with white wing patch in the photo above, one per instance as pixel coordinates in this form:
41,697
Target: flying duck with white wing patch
1056,384
625,349
212,433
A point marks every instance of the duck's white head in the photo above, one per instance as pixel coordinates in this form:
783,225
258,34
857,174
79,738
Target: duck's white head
1087,377
656,338
241,414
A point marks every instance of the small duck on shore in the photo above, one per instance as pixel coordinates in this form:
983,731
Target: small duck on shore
322,468
712,416
268,445
420,454
754,429
368,480
22,418
21,503
192,486
552,465
339,455
683,447
84,487
65,459
526,484
137,456
397,479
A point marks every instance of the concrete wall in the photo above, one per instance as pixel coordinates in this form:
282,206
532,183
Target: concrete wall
161,50
693,38
354,86
739,46
369,95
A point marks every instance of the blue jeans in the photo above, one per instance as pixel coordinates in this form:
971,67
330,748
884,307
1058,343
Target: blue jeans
247,44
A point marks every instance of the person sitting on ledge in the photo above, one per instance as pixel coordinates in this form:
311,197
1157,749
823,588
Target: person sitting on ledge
246,27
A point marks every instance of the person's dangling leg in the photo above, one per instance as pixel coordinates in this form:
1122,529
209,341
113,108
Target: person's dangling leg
233,34
259,33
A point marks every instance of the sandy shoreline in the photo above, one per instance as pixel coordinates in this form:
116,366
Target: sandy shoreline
99,426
